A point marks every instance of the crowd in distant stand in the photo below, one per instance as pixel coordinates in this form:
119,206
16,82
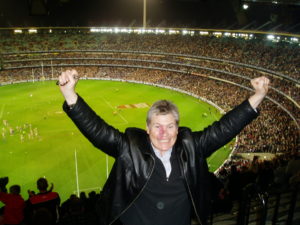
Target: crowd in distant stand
281,57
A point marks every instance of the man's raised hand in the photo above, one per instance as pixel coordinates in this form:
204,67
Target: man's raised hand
261,87
67,82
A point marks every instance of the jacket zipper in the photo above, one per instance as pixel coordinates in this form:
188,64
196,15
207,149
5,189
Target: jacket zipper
138,193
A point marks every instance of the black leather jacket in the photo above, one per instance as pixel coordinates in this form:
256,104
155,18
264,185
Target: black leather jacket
134,161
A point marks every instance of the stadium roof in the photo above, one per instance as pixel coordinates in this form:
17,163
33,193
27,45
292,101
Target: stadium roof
267,15
283,2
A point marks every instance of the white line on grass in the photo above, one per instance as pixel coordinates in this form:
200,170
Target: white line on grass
76,171
126,122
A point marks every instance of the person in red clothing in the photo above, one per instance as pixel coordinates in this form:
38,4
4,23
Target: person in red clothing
45,201
14,205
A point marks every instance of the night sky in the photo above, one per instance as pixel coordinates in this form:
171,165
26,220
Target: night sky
225,14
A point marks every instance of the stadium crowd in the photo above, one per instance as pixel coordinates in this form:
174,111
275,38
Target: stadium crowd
281,57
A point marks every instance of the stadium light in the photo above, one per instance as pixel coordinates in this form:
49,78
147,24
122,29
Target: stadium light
32,31
184,32
203,33
217,34
173,32
271,37
94,30
18,31
245,6
159,31
116,30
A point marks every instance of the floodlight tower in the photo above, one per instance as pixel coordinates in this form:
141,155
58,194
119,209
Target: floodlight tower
145,14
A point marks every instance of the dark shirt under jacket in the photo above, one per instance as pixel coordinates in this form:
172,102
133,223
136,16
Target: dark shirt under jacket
163,201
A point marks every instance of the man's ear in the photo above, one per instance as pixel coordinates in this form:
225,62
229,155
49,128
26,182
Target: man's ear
147,129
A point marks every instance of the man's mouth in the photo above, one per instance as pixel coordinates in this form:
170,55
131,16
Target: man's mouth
163,141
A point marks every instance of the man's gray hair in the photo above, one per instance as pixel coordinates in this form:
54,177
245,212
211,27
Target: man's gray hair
163,107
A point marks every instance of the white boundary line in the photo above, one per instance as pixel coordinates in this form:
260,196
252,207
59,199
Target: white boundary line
76,172
125,121
78,190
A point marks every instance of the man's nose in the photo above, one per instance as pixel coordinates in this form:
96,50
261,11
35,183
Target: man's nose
162,131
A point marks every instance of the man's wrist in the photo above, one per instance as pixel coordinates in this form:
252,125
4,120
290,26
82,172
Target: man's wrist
255,100
71,106
71,100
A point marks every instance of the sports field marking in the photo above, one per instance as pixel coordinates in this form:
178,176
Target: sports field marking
134,106
125,121
2,110
76,172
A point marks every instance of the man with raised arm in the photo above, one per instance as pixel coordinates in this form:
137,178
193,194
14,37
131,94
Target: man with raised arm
160,175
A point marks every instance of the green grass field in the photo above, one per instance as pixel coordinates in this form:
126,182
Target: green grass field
39,140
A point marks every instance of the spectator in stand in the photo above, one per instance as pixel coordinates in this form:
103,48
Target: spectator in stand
77,214
42,216
220,199
92,201
295,179
293,166
64,208
45,200
265,175
234,185
14,205
280,177
83,198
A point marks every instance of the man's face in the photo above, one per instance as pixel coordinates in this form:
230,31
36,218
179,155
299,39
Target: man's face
163,131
